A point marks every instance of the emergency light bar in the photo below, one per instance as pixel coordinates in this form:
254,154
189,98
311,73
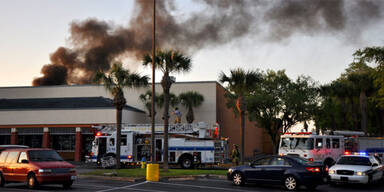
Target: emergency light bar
356,153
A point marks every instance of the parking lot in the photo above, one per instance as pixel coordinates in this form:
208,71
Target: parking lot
211,185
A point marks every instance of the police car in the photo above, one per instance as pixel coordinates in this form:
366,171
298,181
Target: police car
356,168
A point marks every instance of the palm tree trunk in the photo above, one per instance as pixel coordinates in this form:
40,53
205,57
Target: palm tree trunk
166,84
118,135
363,110
190,117
166,125
242,132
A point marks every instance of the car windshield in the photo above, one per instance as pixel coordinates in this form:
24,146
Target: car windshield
44,155
297,143
353,160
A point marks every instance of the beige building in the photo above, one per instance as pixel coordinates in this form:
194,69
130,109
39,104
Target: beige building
61,117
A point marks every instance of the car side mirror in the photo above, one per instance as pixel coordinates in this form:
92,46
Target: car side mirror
375,165
24,161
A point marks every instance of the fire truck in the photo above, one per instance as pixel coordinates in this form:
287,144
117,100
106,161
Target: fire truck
189,145
328,147
317,148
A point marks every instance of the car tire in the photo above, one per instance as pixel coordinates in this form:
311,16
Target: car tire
67,185
2,181
290,183
238,179
186,163
32,181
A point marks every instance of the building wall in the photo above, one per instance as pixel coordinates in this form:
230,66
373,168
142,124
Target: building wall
206,112
82,116
230,127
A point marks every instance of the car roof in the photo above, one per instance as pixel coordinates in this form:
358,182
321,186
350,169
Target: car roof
13,146
27,149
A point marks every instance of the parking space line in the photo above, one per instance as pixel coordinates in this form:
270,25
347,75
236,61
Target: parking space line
204,187
123,187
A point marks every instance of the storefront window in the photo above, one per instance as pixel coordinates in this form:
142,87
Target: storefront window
5,139
63,142
34,141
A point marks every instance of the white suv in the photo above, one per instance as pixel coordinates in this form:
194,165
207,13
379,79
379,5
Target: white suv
357,168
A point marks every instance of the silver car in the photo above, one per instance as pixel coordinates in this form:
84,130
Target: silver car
358,168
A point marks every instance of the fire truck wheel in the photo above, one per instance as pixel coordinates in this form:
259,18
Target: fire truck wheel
186,163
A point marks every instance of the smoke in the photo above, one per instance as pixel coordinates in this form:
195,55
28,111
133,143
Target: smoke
95,44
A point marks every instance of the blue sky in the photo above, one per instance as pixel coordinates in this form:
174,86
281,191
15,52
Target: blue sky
30,30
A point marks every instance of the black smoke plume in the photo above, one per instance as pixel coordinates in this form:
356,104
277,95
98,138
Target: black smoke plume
96,44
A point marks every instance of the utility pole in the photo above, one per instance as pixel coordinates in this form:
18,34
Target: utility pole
153,154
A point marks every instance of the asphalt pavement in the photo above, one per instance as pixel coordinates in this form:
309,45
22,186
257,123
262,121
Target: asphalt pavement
211,185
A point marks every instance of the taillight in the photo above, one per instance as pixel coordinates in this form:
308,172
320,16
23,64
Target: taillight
310,159
91,154
313,169
129,156
326,168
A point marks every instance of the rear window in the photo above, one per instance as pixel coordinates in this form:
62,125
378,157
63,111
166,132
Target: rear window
351,160
44,155
3,155
12,157
300,160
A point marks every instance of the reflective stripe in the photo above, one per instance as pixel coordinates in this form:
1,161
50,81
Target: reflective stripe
182,148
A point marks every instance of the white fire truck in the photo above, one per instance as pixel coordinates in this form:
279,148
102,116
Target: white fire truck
318,148
189,145
327,148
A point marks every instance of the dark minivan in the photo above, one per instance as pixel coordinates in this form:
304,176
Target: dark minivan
290,171
35,166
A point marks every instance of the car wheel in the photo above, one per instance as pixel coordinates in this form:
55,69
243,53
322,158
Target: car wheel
290,183
186,163
238,179
2,181
32,181
67,185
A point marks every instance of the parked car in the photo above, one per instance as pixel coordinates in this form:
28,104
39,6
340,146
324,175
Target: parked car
290,171
4,147
36,167
357,168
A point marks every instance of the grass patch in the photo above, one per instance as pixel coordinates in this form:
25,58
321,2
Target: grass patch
138,172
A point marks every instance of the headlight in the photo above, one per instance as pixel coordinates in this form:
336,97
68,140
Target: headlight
45,170
331,171
230,171
359,173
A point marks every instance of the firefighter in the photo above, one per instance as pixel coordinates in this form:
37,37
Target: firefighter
235,155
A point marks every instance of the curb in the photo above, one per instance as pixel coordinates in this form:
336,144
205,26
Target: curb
140,179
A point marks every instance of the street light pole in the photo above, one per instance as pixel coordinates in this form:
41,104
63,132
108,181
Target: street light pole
153,154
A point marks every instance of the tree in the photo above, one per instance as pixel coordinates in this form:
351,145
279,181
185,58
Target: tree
374,55
362,76
168,62
190,100
240,84
278,103
114,82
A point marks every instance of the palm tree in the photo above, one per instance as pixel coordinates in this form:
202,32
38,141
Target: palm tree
168,62
114,82
190,100
240,84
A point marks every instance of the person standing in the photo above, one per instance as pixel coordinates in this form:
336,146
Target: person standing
235,155
178,115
